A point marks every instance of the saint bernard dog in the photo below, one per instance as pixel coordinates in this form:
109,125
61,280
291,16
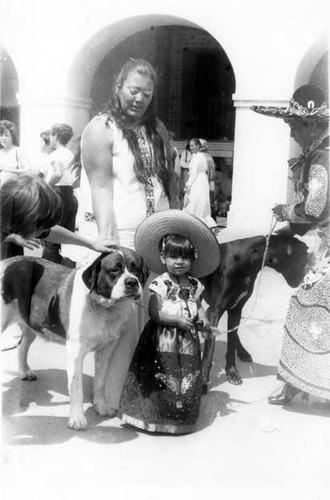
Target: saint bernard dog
87,308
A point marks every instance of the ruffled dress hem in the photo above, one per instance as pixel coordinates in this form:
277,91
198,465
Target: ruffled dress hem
162,428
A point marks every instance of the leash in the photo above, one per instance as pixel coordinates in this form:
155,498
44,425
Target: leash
13,347
216,331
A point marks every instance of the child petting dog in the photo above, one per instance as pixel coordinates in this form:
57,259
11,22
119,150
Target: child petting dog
163,389
30,212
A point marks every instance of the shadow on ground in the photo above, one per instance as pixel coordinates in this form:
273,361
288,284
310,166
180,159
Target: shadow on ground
50,391
246,370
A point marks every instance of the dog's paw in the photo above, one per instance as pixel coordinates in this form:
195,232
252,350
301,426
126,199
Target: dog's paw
77,423
233,376
28,375
101,408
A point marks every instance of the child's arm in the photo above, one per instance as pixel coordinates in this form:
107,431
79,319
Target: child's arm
59,234
158,316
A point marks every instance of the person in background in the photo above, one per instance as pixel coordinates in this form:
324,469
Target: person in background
31,211
12,159
58,174
126,156
184,164
210,174
45,149
304,364
197,198
175,155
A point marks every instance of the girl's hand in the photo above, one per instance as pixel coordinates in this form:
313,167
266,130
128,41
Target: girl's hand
184,324
278,212
207,331
30,243
102,244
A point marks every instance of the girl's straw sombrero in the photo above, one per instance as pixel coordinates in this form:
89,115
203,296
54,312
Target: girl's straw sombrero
154,228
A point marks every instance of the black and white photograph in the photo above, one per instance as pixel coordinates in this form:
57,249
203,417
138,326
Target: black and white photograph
165,249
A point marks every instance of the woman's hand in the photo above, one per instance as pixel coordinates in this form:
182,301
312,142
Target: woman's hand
30,243
103,245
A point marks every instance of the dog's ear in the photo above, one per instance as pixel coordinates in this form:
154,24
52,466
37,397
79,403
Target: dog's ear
143,272
90,275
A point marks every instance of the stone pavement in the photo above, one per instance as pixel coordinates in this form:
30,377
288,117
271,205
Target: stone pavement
243,448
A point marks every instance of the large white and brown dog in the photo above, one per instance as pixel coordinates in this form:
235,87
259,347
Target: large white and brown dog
88,308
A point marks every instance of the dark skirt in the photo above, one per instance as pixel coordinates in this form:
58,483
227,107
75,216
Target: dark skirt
163,389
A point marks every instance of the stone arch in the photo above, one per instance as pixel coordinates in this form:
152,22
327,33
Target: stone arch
314,67
109,44
106,51
9,86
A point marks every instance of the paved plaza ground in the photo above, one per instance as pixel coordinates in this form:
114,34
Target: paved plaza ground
243,447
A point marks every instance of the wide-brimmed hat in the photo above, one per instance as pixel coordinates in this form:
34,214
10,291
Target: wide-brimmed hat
154,228
307,103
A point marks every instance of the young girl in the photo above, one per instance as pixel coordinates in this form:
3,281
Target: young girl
163,388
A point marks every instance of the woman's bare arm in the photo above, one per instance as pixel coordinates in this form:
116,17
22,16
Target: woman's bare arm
96,154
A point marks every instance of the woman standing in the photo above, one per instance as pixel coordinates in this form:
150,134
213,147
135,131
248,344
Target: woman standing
126,156
12,163
197,200
305,359
12,160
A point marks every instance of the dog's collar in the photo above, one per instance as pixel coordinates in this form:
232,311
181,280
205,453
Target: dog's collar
102,301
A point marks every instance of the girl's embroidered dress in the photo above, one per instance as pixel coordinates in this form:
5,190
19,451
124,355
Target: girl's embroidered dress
163,388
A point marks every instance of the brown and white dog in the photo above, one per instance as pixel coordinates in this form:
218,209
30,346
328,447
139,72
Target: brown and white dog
87,308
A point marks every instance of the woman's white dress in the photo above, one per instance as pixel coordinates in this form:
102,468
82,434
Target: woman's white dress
198,195
129,200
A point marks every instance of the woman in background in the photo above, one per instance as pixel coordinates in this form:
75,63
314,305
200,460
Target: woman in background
12,159
197,199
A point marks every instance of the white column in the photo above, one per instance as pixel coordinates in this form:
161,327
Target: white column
260,167
38,114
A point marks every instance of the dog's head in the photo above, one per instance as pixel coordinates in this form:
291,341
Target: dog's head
289,256
116,275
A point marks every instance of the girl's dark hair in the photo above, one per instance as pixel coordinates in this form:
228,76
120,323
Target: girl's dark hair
28,204
196,141
7,125
149,120
175,245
